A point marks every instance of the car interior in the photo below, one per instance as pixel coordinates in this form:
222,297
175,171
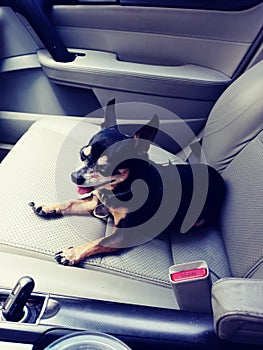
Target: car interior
198,65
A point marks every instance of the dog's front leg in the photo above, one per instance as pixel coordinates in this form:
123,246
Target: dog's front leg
78,207
74,255
111,243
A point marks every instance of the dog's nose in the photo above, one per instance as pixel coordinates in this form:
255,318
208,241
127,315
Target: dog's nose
77,178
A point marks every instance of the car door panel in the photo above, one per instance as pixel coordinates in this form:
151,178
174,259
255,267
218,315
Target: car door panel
138,40
203,49
163,36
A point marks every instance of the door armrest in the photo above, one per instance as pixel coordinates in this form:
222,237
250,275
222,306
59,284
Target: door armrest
104,70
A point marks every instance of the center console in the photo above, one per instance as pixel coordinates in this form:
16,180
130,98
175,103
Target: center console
37,319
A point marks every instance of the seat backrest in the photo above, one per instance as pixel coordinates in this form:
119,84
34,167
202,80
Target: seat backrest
233,144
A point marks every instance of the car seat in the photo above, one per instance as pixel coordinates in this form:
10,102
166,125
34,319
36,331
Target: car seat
38,169
232,143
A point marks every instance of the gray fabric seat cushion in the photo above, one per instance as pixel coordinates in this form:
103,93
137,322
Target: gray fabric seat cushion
232,144
242,219
202,243
38,169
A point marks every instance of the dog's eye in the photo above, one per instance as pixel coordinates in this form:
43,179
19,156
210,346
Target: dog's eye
83,158
85,152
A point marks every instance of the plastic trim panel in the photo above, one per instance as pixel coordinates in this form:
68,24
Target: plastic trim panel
104,70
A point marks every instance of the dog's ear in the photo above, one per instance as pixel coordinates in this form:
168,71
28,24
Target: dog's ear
109,116
146,133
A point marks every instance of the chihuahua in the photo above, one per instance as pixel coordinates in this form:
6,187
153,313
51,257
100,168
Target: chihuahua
112,181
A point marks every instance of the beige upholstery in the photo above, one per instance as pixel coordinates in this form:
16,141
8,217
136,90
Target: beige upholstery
236,118
233,144
38,169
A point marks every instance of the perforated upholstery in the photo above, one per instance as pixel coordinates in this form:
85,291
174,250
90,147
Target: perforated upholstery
242,219
38,169
232,143
202,243
31,172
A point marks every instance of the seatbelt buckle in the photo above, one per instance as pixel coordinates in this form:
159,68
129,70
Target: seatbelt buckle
192,286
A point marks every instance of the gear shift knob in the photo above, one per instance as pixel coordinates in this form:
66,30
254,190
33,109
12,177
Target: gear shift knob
13,308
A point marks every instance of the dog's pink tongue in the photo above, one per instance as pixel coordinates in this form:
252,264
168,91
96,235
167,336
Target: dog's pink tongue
84,190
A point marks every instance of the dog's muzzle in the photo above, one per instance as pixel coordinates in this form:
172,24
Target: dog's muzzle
78,178
88,180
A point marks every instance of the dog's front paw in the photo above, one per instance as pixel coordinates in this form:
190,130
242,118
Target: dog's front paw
68,257
45,211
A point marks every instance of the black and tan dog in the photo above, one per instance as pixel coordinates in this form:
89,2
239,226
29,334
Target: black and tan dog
112,163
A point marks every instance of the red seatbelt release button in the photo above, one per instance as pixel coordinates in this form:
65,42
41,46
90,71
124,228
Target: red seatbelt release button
189,274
